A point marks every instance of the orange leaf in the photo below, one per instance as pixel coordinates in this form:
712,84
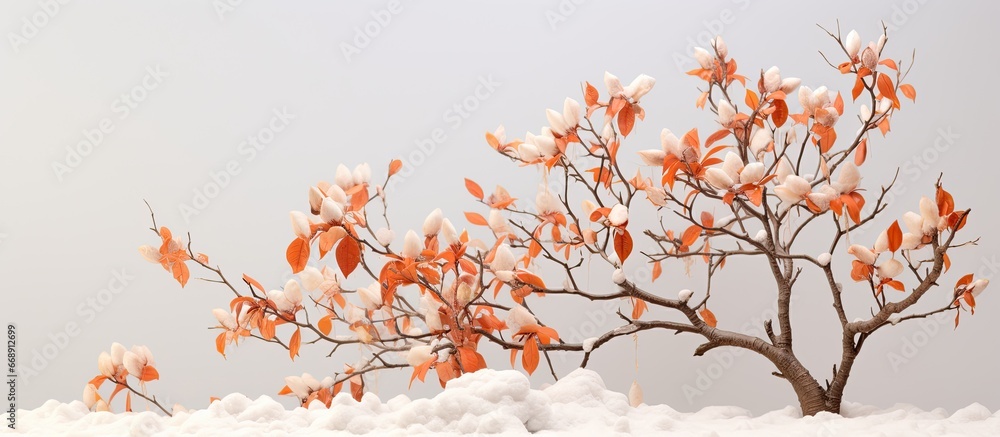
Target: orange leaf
128,402
294,343
394,166
590,95
181,273
531,279
420,372
691,139
716,136
474,189
780,114
859,85
220,344
530,357
908,91
626,119
325,324
895,235
885,87
623,245
861,153
329,238
149,373
708,317
476,219
348,256
752,100
690,235
657,270
297,254
253,282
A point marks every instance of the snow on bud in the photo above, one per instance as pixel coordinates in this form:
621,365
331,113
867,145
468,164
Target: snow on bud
384,236
293,292
300,224
150,253
571,113
848,179
371,296
882,242
894,318
310,382
412,245
752,173
823,259
449,232
225,318
613,84
518,316
704,58
331,211
726,112
327,382
862,253
418,355
639,87
652,156
852,44
117,353
618,215
556,121
311,277
503,259
977,286
761,236
807,99
720,47
718,178
343,178
684,295
635,394
929,214
890,269
618,276
362,174
789,84
90,395
105,364
432,224
772,79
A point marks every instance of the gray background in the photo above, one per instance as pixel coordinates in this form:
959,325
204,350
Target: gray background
63,237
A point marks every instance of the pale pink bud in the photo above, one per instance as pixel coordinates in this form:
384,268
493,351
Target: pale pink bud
300,224
150,253
613,85
639,87
704,58
571,113
432,224
772,79
343,178
652,156
448,231
718,178
503,259
890,269
556,121
331,211
862,253
412,246
726,112
852,44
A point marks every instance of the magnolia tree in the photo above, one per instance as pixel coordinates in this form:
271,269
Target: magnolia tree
435,298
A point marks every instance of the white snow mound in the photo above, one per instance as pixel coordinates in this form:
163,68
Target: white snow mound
501,403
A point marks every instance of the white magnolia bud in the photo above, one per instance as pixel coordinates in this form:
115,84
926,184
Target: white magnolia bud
720,47
635,394
117,353
343,178
718,178
639,87
571,113
978,286
450,234
652,156
384,236
311,277
503,259
90,395
331,211
613,84
300,224
852,44
225,318
297,386
556,121
293,292
752,173
760,141
704,58
882,242
772,79
432,224
362,174
412,246
862,253
726,112
418,355
890,269
789,84
105,364
371,296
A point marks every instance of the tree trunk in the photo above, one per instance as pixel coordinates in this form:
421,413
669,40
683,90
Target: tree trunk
812,397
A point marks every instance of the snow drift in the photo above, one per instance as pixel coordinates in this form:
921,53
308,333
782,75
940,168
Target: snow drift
502,402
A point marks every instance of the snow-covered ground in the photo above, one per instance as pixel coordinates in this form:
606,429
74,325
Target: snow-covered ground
503,402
